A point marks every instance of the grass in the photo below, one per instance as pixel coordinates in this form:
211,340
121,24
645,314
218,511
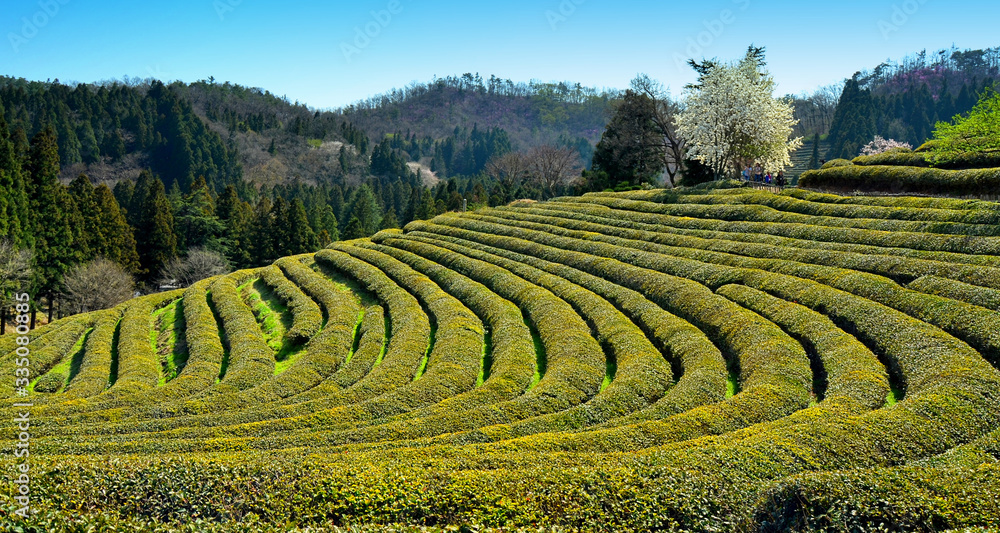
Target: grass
427,352
168,340
223,337
356,336
315,143
69,366
487,366
385,339
895,394
611,366
113,375
540,362
274,320
732,383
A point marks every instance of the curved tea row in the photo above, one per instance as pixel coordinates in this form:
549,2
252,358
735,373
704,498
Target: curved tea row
647,360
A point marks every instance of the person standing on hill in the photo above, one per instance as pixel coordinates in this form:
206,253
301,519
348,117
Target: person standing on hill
758,173
781,179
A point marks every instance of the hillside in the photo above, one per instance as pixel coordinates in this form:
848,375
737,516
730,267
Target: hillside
225,132
532,114
697,359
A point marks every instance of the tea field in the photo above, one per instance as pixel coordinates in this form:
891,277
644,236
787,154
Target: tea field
702,360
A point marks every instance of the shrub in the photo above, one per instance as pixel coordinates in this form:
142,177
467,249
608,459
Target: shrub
833,163
904,179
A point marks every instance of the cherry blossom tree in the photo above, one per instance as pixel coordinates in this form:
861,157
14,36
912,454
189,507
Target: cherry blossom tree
731,118
880,145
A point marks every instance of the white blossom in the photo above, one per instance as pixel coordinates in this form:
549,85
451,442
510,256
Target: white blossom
732,120
880,145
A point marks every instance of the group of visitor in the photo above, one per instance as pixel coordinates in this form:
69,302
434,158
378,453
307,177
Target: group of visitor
756,174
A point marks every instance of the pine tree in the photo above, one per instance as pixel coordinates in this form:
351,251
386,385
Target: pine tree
236,215
260,235
354,229
119,240
366,210
301,238
155,236
814,160
389,221
138,199
13,196
92,234
52,207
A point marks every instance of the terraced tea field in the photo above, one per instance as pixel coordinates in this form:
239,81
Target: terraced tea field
710,361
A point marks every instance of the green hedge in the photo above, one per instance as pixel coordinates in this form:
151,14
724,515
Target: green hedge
139,366
980,181
798,235
895,157
251,360
641,374
967,249
94,375
975,325
956,290
774,371
759,213
699,364
849,369
789,203
307,319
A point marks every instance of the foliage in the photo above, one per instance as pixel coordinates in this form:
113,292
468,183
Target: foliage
970,138
731,120
880,145
558,365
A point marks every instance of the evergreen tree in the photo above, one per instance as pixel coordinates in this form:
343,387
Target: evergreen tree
366,210
236,214
630,147
260,236
389,221
195,220
53,209
280,232
155,237
119,240
814,160
354,230
142,187
427,208
92,234
301,238
13,193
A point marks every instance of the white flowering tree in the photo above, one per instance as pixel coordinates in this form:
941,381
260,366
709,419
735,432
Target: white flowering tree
731,118
881,145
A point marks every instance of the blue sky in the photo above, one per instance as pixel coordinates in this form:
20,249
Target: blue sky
312,52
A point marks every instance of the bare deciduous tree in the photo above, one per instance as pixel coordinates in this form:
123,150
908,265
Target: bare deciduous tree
670,145
15,271
509,170
198,264
551,167
99,284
